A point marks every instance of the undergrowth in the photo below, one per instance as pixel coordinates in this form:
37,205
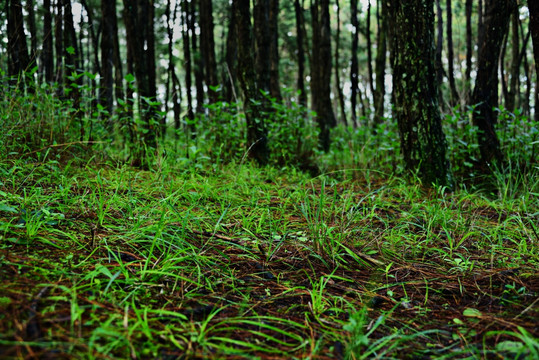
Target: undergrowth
206,256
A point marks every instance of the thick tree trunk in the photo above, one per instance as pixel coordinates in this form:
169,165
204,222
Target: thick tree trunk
485,94
415,92
256,130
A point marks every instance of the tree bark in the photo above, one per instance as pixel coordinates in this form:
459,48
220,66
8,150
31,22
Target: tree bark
485,94
415,92
275,85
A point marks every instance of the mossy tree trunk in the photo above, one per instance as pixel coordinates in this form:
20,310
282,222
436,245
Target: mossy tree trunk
415,92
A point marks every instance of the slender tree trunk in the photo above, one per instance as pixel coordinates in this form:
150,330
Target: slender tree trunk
369,49
33,32
533,7
380,65
301,54
59,45
514,82
198,59
338,86
47,60
231,57
451,55
275,85
262,44
186,37
485,94
139,28
321,71
415,92
256,130
354,67
207,48
108,11
19,60
469,52
439,45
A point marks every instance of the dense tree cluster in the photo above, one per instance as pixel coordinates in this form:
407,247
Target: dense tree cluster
358,63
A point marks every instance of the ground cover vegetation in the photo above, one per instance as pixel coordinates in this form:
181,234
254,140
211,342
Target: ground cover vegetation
233,221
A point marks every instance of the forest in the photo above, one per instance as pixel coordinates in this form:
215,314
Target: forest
265,179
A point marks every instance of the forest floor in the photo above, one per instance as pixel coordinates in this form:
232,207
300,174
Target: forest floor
99,261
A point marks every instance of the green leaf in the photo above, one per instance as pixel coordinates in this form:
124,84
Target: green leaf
471,312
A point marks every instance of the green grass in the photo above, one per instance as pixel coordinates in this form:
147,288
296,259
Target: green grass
105,261
206,256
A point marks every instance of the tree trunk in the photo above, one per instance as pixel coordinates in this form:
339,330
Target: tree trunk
19,60
256,130
354,67
33,32
321,71
380,65
485,94
415,92
139,28
198,59
451,55
186,36
469,52
231,58
275,85
47,60
108,11
369,49
338,87
533,7
301,54
262,44
207,48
